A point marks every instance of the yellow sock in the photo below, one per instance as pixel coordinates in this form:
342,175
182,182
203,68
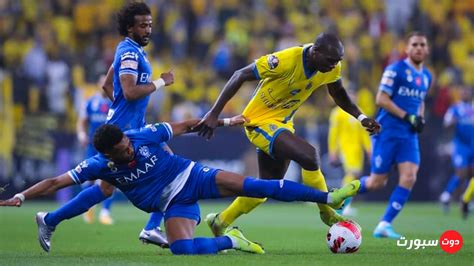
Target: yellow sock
316,180
238,207
348,178
467,196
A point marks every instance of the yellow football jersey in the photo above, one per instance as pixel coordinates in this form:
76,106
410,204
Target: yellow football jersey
348,138
285,83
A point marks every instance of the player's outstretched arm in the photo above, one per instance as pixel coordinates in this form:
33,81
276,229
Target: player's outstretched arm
209,122
45,187
193,125
339,94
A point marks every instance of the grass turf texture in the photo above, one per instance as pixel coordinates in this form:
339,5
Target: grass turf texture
292,234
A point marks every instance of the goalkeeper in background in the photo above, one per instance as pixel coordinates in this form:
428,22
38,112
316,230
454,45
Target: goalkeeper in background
347,142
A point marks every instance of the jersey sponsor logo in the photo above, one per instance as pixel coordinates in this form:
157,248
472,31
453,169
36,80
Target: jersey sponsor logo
405,91
290,104
272,61
139,172
129,64
129,55
144,151
145,78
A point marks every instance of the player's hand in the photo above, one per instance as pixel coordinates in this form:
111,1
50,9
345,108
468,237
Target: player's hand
416,122
207,125
13,202
168,77
372,126
238,120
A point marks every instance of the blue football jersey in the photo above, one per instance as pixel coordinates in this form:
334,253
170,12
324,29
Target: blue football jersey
407,88
463,113
152,179
130,58
95,112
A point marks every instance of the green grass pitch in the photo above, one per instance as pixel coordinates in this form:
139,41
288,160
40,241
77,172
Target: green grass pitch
292,234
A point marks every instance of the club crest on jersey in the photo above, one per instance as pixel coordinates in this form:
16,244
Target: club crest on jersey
272,61
409,76
111,166
144,151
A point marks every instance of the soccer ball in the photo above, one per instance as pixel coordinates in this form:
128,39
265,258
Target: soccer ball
344,237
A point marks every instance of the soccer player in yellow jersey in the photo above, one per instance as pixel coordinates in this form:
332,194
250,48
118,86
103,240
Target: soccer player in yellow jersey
466,198
287,79
347,142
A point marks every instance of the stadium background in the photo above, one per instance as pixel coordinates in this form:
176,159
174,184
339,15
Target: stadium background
53,51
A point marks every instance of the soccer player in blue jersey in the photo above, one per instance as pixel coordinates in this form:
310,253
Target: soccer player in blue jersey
93,113
128,83
460,117
156,180
401,97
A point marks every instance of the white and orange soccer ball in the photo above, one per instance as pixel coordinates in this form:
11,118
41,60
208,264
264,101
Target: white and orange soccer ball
344,237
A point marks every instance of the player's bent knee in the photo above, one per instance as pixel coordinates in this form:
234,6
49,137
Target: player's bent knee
408,180
183,247
310,162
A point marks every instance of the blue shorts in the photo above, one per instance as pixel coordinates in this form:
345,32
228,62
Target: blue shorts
387,151
201,184
463,156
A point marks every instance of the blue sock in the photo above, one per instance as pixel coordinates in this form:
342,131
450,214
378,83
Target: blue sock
200,245
78,205
154,221
108,202
395,205
453,183
363,188
283,190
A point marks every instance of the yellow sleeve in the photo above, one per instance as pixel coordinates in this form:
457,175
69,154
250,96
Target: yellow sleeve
335,74
333,131
274,65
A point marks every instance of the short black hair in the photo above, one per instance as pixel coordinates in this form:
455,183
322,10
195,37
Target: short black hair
325,41
106,137
415,33
126,15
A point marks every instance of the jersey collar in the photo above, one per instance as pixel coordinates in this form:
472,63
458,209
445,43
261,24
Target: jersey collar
307,71
133,43
413,67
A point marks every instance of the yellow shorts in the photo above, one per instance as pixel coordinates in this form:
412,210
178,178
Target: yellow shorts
264,134
352,161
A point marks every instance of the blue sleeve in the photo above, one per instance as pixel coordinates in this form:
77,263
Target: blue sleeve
389,80
158,133
85,171
128,61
